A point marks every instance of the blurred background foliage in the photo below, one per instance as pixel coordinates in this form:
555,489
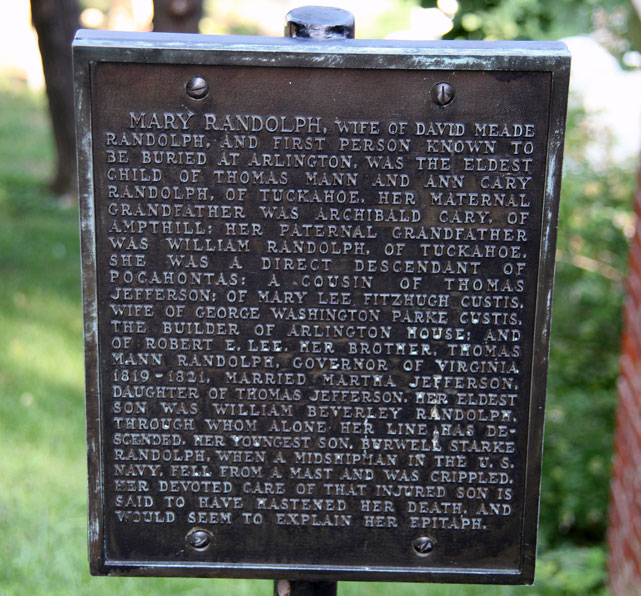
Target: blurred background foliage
42,467
595,225
615,23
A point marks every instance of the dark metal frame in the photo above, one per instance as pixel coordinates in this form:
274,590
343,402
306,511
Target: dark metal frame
91,47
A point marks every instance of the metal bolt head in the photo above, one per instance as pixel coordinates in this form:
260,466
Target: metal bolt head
423,546
197,87
442,94
199,539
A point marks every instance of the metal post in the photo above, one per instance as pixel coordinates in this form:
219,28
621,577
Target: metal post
285,587
318,23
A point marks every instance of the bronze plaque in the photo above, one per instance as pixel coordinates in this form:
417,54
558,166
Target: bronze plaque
317,292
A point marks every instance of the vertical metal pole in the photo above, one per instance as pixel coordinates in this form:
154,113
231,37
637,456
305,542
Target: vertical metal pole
318,23
285,587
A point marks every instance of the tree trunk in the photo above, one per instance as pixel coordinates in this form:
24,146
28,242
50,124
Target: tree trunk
177,16
56,22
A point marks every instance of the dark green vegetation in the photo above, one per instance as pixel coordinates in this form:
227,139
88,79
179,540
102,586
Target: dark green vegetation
591,260
42,461
616,23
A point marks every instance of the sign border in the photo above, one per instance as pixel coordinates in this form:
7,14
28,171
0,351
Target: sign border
92,47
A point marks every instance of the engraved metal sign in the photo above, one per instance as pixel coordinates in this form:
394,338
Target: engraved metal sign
317,288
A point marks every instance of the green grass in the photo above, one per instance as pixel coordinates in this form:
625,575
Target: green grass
42,449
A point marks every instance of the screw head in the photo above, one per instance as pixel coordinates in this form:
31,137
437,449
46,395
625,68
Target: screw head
199,539
423,546
442,94
197,87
